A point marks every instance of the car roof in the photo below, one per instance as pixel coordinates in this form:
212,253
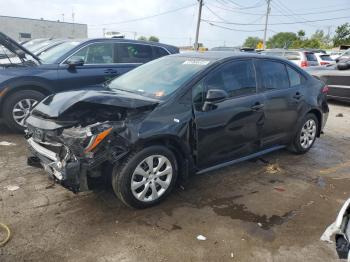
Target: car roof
219,55
125,40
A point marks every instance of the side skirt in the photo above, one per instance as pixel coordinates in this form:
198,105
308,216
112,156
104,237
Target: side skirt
235,161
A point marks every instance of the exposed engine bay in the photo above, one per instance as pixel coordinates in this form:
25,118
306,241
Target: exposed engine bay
83,139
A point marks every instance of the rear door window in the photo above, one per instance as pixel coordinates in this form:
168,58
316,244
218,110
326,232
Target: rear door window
236,78
310,57
295,78
134,53
273,75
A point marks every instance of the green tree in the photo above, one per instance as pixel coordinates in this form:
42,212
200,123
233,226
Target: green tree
301,35
342,35
282,40
324,40
153,39
252,41
142,38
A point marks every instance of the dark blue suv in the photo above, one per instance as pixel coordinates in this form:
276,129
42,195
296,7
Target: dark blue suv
25,79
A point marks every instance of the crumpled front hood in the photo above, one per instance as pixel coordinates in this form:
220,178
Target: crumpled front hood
55,105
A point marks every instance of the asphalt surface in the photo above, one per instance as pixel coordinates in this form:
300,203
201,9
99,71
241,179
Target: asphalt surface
269,209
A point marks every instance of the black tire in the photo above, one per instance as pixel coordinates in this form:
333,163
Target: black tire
12,100
122,176
296,145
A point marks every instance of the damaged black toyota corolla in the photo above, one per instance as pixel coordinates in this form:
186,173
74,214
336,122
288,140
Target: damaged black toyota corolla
178,115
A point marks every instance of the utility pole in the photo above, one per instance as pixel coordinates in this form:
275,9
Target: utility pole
268,9
196,45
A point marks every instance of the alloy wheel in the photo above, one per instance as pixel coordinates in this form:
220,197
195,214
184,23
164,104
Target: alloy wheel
308,134
151,178
22,109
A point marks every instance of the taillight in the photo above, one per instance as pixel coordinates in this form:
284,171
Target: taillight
324,63
325,89
304,63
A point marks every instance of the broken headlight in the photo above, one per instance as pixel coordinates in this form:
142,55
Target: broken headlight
89,137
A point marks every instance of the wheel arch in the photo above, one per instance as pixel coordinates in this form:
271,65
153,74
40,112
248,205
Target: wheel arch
181,151
318,115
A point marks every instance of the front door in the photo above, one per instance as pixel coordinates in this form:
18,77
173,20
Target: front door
99,66
228,129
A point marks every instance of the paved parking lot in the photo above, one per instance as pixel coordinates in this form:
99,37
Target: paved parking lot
269,209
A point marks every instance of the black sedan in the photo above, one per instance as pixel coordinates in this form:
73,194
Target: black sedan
175,116
337,77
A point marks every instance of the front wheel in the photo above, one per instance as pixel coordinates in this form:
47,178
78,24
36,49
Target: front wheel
306,134
146,177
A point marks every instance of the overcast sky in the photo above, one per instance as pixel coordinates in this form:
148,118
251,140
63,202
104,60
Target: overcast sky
179,27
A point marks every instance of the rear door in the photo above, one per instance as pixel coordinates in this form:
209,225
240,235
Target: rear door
228,129
99,66
131,55
283,91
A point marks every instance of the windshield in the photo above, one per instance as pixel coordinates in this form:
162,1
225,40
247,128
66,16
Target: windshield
51,55
160,77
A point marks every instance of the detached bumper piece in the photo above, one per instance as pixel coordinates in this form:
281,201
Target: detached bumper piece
341,230
59,163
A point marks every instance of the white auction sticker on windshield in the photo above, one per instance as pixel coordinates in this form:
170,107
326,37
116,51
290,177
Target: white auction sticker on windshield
196,62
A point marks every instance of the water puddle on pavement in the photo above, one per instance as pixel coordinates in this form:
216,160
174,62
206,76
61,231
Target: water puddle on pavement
226,207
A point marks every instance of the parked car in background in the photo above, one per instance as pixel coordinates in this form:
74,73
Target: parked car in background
72,64
337,78
335,54
340,230
42,46
324,59
345,56
178,115
233,49
299,57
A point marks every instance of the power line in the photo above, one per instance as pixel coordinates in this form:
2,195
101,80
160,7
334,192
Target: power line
146,17
308,13
283,23
232,29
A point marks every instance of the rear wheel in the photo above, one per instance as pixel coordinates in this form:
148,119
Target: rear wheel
146,177
18,106
306,134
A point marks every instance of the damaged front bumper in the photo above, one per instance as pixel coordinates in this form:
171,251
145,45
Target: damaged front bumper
67,170
340,228
75,154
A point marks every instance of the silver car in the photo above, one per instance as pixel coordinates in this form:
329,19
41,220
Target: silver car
298,57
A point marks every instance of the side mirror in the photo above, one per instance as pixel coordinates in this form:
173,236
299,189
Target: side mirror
343,66
213,96
75,61
216,95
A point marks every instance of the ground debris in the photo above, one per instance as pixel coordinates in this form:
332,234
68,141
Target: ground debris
339,115
273,168
201,238
5,143
12,187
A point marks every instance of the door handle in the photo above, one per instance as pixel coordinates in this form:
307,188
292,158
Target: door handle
258,106
110,71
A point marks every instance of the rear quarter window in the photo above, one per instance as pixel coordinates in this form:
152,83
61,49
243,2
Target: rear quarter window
159,52
295,78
